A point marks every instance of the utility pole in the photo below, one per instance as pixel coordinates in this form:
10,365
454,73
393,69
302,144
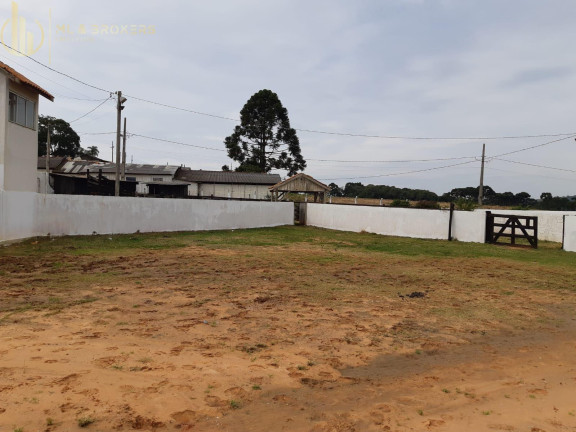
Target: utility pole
123,176
112,147
119,108
481,188
48,160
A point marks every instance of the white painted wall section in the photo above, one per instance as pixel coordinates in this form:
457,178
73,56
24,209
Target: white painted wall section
469,226
24,214
416,223
570,233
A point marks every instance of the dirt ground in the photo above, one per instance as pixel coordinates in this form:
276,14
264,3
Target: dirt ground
284,337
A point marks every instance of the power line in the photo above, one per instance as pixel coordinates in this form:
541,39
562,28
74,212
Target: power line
490,168
91,111
182,109
535,146
430,138
54,70
391,161
534,165
400,173
176,142
355,134
566,135
96,133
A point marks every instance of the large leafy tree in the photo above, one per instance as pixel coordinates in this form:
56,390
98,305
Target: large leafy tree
63,139
264,139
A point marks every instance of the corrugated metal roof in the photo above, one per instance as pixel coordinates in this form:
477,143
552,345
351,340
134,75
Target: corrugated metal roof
227,177
79,167
55,162
26,81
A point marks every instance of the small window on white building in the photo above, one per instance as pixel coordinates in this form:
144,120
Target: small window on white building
157,179
22,111
130,178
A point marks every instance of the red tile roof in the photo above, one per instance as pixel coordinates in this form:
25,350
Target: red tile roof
26,81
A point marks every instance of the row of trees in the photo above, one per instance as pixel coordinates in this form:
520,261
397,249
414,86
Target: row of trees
491,197
381,191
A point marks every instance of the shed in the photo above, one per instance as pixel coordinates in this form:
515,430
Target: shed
227,184
300,183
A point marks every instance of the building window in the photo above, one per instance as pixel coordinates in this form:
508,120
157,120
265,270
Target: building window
157,179
22,111
130,178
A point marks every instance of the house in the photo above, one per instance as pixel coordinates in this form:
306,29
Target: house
227,184
139,173
19,130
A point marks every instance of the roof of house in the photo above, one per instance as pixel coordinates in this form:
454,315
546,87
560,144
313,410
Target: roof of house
81,166
55,162
19,77
299,183
227,177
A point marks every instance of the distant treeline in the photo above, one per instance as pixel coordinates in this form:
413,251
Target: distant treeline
491,197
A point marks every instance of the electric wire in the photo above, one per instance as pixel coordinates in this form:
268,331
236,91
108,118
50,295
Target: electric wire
400,173
566,135
54,70
534,165
92,110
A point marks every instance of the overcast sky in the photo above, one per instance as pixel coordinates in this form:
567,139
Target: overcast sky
407,68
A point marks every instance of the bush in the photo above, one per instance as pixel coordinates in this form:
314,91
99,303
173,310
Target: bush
400,203
427,205
465,204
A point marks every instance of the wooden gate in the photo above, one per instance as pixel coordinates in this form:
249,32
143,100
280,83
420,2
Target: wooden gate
513,227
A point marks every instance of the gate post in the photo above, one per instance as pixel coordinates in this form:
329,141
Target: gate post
489,227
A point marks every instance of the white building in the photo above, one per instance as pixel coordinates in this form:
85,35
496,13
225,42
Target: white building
19,130
227,184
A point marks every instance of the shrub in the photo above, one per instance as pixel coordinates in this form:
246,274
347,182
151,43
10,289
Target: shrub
465,204
427,205
400,203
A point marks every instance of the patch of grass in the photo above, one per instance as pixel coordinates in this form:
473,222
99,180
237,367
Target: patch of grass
235,404
445,390
117,367
145,360
486,413
49,421
420,412
85,421
256,387
19,429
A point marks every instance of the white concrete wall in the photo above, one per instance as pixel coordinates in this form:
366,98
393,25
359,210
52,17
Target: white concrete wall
550,223
28,214
570,233
42,183
418,223
432,224
469,226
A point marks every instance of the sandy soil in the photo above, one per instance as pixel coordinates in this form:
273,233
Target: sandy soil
166,353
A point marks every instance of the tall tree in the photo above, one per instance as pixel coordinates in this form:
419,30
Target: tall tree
264,139
64,141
